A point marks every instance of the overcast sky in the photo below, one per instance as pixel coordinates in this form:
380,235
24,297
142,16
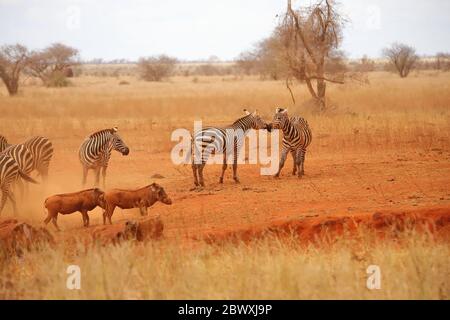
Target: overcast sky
197,29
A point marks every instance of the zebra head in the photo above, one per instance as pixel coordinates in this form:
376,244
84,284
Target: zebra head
118,144
256,122
280,118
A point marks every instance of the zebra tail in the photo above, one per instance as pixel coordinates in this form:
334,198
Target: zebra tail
27,177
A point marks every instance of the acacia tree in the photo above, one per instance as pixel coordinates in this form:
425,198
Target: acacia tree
13,59
311,36
401,57
51,65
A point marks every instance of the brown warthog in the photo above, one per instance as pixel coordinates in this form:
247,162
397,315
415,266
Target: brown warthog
141,198
82,201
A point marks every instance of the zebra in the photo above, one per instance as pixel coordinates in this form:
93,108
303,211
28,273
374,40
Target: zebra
24,159
42,151
297,137
96,149
9,173
211,140
3,143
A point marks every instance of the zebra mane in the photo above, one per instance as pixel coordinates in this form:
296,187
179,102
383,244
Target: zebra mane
98,133
246,116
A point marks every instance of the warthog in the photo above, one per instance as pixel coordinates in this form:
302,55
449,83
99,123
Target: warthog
141,198
82,201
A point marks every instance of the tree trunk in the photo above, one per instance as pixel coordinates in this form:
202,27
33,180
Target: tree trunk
12,86
321,86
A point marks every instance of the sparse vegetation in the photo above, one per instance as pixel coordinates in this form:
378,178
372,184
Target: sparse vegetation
13,59
267,269
156,68
402,58
392,121
53,65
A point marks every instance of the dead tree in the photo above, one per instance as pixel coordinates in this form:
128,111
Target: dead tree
311,37
13,59
402,58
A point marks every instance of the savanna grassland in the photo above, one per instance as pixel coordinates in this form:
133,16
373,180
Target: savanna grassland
381,148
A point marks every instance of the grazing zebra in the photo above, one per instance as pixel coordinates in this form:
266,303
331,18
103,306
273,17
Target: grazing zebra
3,143
95,152
42,151
9,172
296,138
212,140
23,157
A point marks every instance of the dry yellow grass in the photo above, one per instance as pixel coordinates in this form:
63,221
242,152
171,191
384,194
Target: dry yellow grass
387,113
268,269
390,114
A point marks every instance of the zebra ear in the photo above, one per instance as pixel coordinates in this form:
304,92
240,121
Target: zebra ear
277,110
255,112
246,112
285,110
115,129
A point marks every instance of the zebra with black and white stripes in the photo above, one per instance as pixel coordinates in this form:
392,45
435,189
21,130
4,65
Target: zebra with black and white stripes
297,137
42,151
3,143
9,173
227,141
24,159
95,152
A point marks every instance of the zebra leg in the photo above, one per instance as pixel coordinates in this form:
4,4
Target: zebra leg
224,167
12,198
194,171
4,197
300,158
303,161
43,171
284,153
104,177
85,172
97,176
294,157
20,185
235,177
200,174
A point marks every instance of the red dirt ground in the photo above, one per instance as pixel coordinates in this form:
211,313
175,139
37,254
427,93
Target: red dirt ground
337,188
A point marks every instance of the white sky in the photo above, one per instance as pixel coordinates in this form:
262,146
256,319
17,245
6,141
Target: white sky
197,29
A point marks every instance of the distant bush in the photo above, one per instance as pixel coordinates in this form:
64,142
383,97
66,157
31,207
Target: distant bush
57,79
156,68
402,58
124,82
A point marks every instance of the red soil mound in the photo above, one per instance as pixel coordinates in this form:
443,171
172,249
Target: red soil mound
15,237
435,221
132,230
